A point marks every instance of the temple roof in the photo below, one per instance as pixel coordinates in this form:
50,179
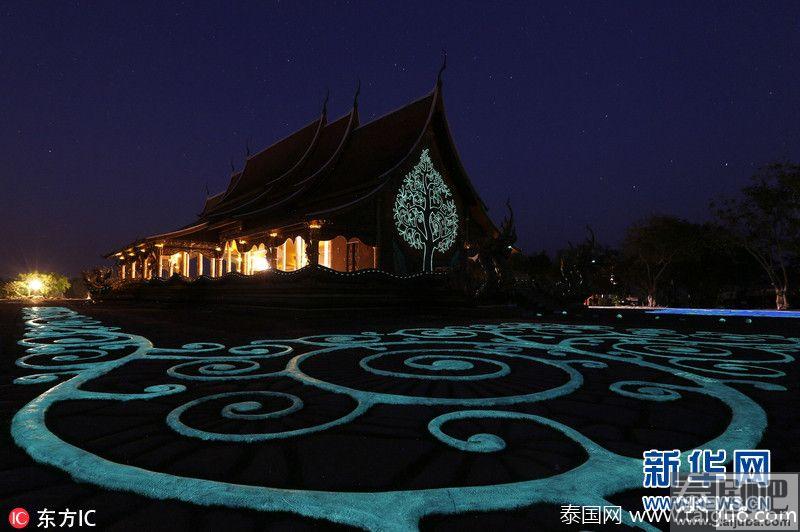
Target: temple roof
324,167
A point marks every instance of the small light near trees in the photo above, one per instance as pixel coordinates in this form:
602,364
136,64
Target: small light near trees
35,285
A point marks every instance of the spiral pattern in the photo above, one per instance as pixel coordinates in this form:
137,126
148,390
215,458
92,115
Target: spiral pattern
539,362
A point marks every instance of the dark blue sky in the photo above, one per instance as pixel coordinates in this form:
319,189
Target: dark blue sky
114,116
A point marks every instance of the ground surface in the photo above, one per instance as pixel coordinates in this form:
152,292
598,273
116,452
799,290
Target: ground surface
367,405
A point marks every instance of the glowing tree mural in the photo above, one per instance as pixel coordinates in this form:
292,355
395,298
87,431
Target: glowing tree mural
424,211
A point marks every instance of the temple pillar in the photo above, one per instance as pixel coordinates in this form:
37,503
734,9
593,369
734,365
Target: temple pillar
133,269
212,264
199,264
312,246
185,264
122,271
229,260
219,266
160,262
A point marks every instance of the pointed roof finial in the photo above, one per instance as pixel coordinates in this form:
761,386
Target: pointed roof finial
233,168
443,67
358,91
325,103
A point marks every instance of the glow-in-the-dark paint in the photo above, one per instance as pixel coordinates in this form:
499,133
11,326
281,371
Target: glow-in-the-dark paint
425,214
67,347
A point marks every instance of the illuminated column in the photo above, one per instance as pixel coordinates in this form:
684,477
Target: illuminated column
122,271
312,246
133,270
219,266
199,264
229,260
212,263
325,253
272,251
185,264
160,260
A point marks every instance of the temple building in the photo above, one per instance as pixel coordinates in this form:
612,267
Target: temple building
390,194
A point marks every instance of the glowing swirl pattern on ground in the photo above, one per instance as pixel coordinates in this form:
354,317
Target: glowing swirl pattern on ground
70,350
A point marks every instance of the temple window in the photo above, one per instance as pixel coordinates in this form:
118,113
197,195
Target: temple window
360,256
258,259
346,256
291,255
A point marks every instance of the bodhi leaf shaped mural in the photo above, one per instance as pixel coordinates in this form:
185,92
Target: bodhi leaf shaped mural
424,211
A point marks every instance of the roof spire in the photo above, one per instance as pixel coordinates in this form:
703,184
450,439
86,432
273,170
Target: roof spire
358,91
443,67
325,103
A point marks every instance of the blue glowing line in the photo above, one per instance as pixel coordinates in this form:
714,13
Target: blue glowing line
719,312
71,350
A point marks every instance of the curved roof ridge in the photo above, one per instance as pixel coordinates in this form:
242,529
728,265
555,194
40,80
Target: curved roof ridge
435,96
457,157
268,185
233,188
353,118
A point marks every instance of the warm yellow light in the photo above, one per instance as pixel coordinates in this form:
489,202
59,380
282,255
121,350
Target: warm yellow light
35,284
273,234
260,264
160,245
314,225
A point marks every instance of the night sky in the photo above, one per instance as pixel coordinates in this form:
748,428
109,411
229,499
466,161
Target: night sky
114,117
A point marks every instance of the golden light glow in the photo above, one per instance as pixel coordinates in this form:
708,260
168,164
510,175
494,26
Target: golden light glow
260,263
35,284
273,234
314,224
160,245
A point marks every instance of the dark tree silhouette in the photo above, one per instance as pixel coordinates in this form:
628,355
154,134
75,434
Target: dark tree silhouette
651,247
765,220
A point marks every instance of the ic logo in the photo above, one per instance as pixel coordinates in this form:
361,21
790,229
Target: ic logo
18,518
